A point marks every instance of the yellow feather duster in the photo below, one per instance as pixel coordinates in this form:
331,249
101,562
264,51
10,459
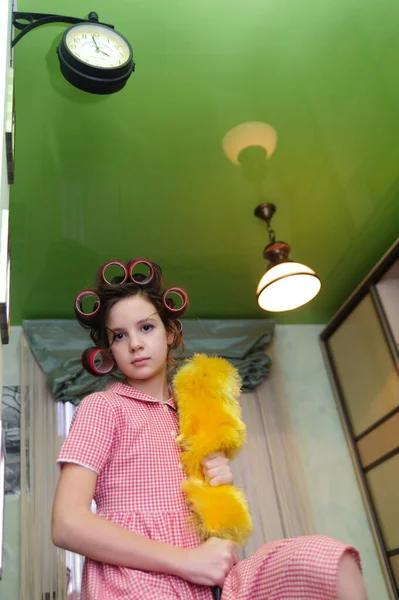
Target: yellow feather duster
207,391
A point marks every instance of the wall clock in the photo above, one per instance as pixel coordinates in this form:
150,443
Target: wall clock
95,58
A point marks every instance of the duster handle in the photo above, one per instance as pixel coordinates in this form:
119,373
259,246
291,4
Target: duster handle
217,592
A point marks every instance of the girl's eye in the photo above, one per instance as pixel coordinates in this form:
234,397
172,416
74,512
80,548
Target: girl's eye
119,336
147,327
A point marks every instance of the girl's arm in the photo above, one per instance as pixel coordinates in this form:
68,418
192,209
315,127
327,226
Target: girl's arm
76,528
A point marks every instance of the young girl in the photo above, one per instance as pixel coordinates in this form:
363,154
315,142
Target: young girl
121,452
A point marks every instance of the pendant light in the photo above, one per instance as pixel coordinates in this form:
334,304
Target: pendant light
286,284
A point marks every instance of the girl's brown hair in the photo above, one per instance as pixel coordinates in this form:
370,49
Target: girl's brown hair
109,294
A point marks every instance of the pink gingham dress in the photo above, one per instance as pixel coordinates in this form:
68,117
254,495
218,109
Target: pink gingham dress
129,440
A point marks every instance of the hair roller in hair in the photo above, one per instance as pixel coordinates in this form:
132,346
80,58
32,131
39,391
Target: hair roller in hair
80,309
170,303
97,362
115,280
179,325
141,278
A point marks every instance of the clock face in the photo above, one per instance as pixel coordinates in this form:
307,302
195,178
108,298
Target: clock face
97,46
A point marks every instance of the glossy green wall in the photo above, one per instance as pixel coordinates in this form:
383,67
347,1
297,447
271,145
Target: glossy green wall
142,172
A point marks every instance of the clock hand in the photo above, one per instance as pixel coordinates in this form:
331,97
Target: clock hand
104,53
95,43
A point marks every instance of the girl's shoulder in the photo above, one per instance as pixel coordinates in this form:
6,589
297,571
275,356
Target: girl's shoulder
106,400
111,400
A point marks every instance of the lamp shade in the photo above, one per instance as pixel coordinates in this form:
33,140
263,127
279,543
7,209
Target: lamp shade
286,286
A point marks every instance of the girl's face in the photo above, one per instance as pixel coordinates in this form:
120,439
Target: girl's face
138,339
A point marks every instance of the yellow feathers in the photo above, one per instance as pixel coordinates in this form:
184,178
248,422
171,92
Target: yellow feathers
207,391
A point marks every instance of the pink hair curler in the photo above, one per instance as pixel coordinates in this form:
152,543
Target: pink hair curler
109,264
96,362
141,261
79,306
169,303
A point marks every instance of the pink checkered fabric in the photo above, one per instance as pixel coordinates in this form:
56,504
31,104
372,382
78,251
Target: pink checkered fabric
129,440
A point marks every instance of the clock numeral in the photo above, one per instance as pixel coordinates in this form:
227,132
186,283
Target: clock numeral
73,46
76,39
84,36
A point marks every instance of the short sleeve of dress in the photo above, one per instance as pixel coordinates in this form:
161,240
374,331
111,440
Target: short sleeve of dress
91,434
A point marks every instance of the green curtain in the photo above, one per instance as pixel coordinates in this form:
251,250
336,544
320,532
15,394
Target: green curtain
57,345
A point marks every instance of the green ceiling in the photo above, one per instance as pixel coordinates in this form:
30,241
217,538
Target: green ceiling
142,172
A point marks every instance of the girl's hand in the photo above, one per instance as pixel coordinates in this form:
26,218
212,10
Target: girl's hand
216,468
210,563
